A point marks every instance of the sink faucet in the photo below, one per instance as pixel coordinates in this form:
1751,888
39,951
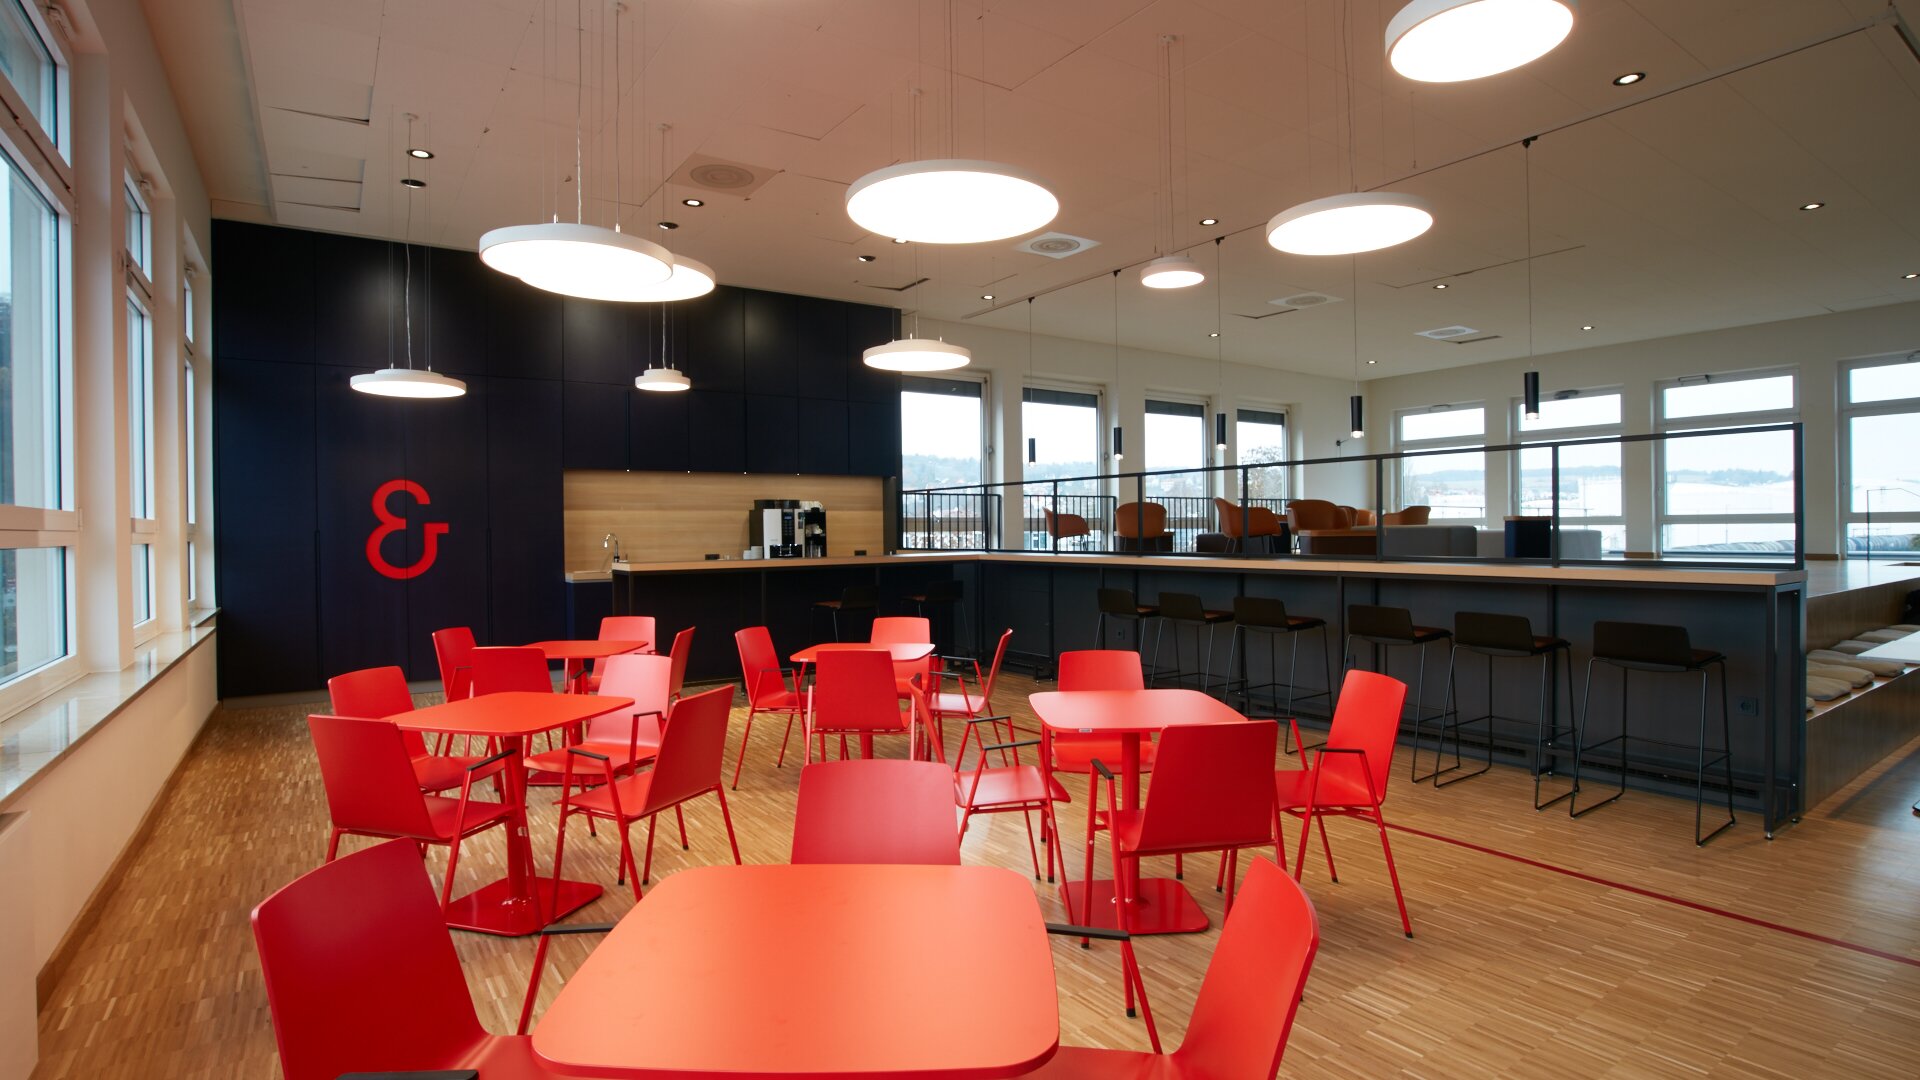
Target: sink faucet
611,542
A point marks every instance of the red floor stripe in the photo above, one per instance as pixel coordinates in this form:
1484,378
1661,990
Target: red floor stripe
1652,895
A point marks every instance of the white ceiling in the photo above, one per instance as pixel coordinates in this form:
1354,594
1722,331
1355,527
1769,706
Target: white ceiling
1677,214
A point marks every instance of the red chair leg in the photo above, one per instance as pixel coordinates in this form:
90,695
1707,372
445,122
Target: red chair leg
559,849
446,886
727,818
533,983
333,844
1179,867
1032,851
1392,874
1220,876
1232,863
646,871
742,757
1306,831
681,820
1328,848
782,759
631,871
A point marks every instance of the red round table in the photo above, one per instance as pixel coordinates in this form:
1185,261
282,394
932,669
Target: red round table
1162,905
517,904
842,971
575,655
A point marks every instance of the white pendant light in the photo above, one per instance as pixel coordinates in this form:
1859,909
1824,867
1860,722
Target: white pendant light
1456,40
397,382
950,201
665,380
1349,224
1171,272
409,382
916,354
691,278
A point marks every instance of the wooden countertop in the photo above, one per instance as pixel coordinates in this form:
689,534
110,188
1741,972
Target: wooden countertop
1621,573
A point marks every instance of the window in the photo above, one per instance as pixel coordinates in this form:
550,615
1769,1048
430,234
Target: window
189,319
1062,428
1176,439
139,229
1590,480
1726,494
140,409
1454,485
1880,403
30,66
33,609
142,583
942,432
1261,436
190,459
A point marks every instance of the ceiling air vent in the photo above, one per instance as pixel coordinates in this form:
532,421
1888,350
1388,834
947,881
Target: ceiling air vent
1304,300
1055,245
1447,333
722,176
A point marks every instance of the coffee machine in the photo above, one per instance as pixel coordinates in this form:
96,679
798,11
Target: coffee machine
813,530
788,529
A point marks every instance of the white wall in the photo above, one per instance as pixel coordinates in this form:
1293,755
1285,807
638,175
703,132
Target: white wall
1814,346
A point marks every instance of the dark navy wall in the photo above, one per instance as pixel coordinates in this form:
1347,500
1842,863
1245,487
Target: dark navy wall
778,388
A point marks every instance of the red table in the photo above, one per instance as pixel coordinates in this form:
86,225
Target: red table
1162,905
845,971
576,654
518,903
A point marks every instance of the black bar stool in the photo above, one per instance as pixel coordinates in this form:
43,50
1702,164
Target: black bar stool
1392,628
1120,604
1653,647
852,598
1185,609
1268,617
945,594
1496,637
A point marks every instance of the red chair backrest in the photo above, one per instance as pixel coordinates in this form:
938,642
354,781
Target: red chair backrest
368,775
877,811
639,676
629,628
453,648
500,668
993,673
901,630
360,971
376,694
1212,787
759,664
692,748
1253,984
1101,669
682,645
1367,718
854,690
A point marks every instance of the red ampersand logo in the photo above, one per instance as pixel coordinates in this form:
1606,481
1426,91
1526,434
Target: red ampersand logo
391,523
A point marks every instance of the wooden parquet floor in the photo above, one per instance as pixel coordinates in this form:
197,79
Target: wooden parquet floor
1604,947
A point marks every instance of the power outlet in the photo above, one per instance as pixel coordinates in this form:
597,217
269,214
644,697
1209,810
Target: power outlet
1748,706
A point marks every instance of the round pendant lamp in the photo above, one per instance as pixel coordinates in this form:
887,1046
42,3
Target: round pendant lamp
1171,272
574,259
1349,224
397,382
691,278
950,202
662,380
1444,41
916,354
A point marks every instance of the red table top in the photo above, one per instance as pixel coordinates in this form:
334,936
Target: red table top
1121,711
901,653
513,712
586,650
867,971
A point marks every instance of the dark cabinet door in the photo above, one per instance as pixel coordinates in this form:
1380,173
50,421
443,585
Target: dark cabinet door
523,330
594,426
263,307
454,338
773,434
873,438
597,342
706,338
359,316
446,454
823,437
820,351
526,572
657,432
264,542
775,329
362,448
716,431
868,326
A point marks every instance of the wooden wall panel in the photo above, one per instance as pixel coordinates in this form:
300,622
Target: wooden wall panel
663,517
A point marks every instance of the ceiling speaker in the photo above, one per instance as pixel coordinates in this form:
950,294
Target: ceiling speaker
1055,245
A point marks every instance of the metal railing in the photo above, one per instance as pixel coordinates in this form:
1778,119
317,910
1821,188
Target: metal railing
1188,516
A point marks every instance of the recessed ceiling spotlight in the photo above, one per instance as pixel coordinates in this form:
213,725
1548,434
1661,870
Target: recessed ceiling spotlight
692,202
1442,285
1812,205
668,225
1216,333
897,240
1629,78
1909,277
420,152
864,258
1587,327
1209,221
986,296
408,181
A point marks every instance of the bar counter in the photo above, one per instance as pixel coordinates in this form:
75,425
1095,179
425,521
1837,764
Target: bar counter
1754,616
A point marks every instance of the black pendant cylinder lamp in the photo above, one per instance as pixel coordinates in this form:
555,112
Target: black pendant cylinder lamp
1531,391
1220,431
1359,429
1118,450
1033,449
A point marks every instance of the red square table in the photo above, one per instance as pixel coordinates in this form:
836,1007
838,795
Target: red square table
575,654
1162,905
842,971
522,902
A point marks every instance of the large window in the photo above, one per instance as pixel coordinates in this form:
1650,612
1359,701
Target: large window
1880,401
1260,436
1590,491
139,409
1727,494
31,68
1176,439
1063,433
942,432
30,405
1454,485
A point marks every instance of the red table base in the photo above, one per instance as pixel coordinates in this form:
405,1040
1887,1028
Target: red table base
494,909
1162,907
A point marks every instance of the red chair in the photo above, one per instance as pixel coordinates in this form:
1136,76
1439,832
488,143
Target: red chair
960,702
692,753
1098,669
453,648
1348,777
767,688
504,668
880,811
361,976
621,628
381,693
855,693
1009,787
682,645
1211,793
372,791
632,736
1247,1000
905,630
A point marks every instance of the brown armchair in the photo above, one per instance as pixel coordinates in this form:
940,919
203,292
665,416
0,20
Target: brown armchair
1362,519
1307,514
1259,521
1065,526
1142,526
1412,515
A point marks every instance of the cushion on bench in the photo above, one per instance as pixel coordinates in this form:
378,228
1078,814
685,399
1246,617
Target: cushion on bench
1886,669
1826,689
1852,676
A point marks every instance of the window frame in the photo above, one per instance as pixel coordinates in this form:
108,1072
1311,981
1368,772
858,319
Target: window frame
49,145
1846,413
1569,434
1758,418
1286,428
1451,443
